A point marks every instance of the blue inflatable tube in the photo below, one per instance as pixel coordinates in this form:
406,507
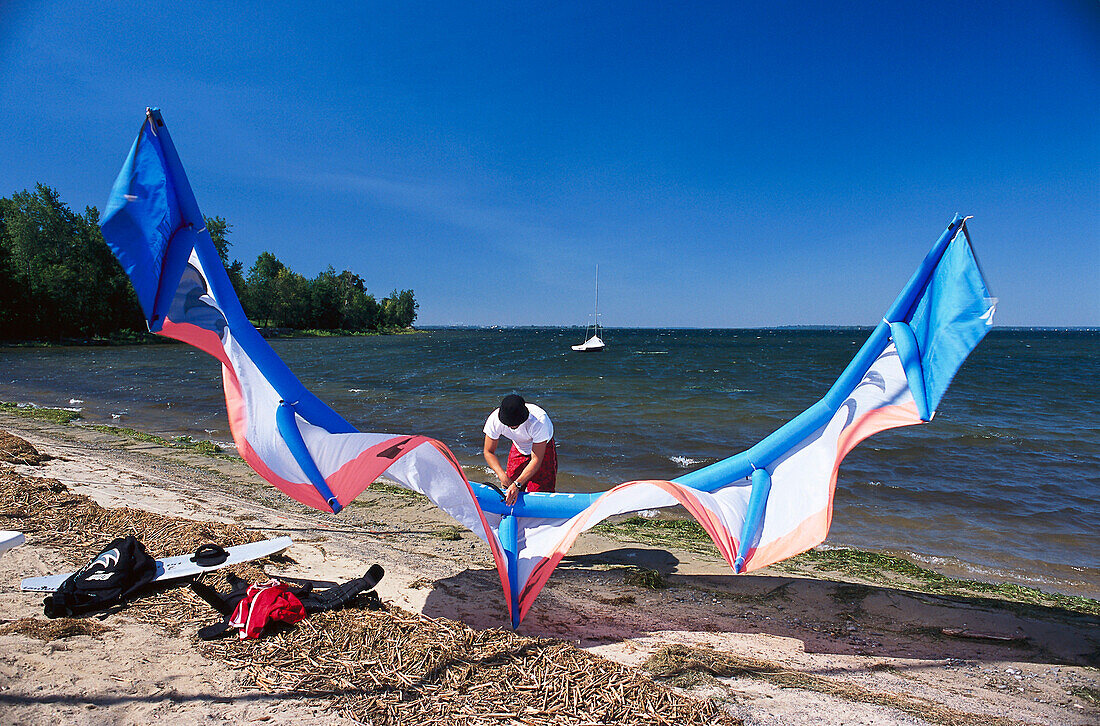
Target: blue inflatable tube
754,516
508,532
906,343
292,436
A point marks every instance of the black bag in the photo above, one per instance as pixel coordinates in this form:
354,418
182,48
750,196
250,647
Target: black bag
120,570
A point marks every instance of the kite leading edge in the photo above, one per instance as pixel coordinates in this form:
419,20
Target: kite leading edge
763,505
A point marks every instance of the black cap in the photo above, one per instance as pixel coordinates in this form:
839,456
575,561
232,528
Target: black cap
513,410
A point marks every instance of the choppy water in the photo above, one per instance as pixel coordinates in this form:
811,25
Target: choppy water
1004,484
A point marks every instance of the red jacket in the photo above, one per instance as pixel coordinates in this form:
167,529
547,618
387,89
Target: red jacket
264,603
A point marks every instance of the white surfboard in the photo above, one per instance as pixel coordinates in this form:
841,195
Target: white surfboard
171,568
9,539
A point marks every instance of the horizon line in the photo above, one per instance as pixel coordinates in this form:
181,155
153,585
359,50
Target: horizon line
820,326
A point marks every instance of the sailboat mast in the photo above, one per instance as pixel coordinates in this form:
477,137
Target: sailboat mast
596,306
592,341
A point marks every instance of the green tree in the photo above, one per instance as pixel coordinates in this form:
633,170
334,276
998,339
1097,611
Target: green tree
326,302
360,310
399,310
219,230
260,288
291,304
57,276
406,308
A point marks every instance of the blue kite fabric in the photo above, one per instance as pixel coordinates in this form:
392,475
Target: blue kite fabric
763,505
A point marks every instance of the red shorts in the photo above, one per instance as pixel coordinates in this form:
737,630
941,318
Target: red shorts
546,478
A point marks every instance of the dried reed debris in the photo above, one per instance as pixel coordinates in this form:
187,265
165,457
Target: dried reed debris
397,667
15,450
77,525
381,667
49,630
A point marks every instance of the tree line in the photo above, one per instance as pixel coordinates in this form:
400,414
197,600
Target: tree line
59,280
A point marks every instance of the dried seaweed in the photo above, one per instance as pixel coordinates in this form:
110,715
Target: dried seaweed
383,666
396,667
49,630
15,450
76,525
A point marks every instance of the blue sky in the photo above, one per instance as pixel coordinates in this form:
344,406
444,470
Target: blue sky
726,164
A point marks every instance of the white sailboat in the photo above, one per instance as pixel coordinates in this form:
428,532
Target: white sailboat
594,342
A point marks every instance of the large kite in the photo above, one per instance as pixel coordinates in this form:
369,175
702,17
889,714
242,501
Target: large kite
763,505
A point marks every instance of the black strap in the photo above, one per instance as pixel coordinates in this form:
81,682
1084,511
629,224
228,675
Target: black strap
59,605
496,489
338,596
212,597
216,630
210,554
224,604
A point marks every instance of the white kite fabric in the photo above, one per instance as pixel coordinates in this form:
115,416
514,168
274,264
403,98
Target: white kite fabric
799,509
759,507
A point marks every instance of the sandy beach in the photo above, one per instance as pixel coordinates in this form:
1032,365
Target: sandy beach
796,644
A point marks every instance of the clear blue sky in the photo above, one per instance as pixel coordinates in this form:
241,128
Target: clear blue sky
726,164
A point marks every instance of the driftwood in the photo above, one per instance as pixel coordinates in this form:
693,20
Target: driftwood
975,635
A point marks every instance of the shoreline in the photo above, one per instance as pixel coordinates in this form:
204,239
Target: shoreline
693,535
130,337
756,644
979,494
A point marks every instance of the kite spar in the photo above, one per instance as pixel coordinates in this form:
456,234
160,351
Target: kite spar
765,504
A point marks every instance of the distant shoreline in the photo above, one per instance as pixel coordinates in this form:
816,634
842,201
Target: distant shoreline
784,328
134,338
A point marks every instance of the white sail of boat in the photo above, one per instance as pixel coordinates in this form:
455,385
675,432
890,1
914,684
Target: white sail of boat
593,342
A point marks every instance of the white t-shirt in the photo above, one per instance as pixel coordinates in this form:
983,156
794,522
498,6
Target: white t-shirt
536,429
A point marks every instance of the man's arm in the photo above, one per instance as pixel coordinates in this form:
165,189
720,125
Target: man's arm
489,451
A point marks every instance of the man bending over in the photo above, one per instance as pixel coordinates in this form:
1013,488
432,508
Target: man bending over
533,458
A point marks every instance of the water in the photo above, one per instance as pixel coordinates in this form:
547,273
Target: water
1004,484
